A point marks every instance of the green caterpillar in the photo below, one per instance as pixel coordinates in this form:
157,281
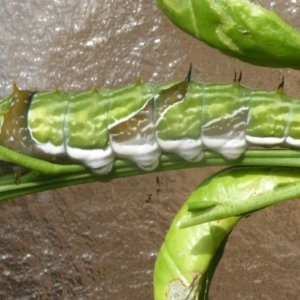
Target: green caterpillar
141,121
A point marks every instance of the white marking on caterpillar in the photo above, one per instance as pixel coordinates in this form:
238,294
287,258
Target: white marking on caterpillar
293,142
100,160
265,141
189,149
232,143
49,147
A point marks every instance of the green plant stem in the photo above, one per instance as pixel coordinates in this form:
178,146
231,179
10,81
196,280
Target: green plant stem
57,176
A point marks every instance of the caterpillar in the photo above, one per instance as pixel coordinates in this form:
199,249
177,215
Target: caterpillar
141,121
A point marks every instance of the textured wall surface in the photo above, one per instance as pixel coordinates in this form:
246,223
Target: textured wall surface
100,241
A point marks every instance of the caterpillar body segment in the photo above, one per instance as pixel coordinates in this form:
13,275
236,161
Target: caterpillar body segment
141,121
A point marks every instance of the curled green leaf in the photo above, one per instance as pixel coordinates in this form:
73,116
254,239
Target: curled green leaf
238,28
189,255
240,191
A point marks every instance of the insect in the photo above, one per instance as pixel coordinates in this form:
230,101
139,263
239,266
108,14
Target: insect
141,121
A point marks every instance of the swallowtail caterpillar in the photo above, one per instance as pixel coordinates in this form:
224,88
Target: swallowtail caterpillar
141,121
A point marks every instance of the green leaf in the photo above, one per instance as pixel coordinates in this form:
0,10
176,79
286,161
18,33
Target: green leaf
234,188
197,236
240,29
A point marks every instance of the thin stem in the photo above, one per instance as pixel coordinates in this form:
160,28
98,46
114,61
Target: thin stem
42,177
